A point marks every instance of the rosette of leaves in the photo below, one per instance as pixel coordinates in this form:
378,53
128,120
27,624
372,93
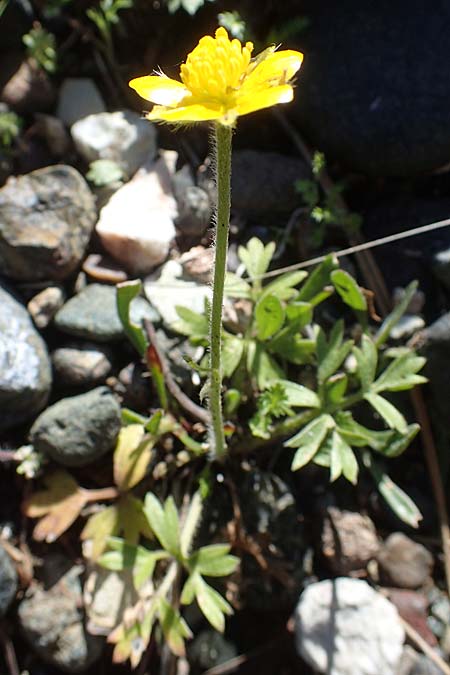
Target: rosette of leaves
154,572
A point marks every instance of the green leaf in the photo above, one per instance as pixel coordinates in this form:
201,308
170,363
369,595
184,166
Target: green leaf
399,442
155,516
299,314
191,524
331,353
172,525
152,424
358,435
402,505
401,374
212,604
188,592
393,418
366,358
343,460
261,365
319,278
335,388
124,555
256,257
174,627
293,348
309,440
299,396
236,287
213,560
392,319
232,350
126,292
284,286
191,323
349,290
269,316
104,172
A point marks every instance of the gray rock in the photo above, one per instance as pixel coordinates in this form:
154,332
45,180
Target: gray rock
276,173
344,627
78,430
46,220
406,326
413,663
123,136
403,562
194,205
78,98
209,648
44,305
361,100
25,372
441,266
92,314
81,365
53,624
348,541
8,581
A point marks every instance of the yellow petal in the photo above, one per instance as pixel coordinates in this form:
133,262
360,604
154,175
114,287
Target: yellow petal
276,68
264,99
187,113
159,89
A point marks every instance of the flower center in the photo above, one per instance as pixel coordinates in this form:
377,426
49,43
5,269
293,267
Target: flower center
216,67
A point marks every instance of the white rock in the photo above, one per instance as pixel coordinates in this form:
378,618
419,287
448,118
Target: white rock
171,290
78,97
344,627
122,136
137,224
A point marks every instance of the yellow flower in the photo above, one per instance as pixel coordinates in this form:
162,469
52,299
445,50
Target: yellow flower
221,81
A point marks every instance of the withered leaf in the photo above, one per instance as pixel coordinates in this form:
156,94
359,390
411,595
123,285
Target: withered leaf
132,456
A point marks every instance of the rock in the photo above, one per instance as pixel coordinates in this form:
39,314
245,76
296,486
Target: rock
277,173
107,595
441,266
78,430
24,86
81,365
78,98
46,220
8,581
52,131
134,389
208,649
406,326
45,304
123,136
137,224
344,627
198,264
53,624
413,663
171,290
194,207
92,314
403,562
25,372
413,608
349,540
372,111
102,268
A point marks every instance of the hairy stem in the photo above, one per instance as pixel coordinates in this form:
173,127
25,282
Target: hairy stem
223,175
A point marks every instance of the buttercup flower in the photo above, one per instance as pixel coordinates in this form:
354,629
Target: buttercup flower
220,81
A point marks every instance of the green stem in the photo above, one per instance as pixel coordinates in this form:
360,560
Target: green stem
223,176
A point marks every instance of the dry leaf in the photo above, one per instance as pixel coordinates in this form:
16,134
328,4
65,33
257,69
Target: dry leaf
132,456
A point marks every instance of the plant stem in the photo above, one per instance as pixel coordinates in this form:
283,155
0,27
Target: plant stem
223,175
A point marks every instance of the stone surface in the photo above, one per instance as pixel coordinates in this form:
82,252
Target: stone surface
348,541
413,608
276,173
413,663
52,621
8,581
92,314
441,266
123,136
407,325
107,595
171,290
25,372
344,627
194,205
403,562
360,100
137,224
81,365
78,98
76,431
208,649
44,305
24,86
46,220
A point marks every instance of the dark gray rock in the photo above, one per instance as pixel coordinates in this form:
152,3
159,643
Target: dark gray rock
52,621
8,581
78,430
264,182
403,562
208,649
46,220
81,365
194,205
25,372
92,314
372,91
